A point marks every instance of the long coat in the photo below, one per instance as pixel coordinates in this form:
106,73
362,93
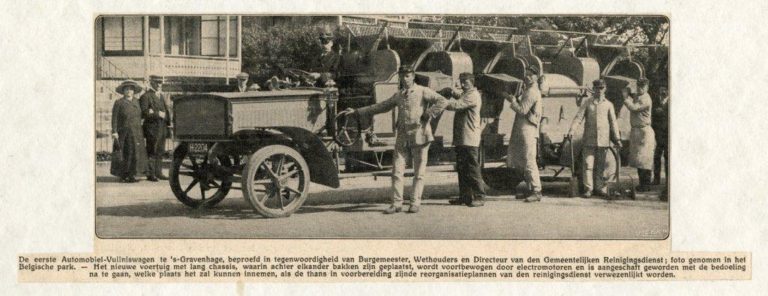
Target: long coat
525,129
600,124
642,141
126,121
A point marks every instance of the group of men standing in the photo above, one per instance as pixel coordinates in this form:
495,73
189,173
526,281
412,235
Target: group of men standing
417,105
601,131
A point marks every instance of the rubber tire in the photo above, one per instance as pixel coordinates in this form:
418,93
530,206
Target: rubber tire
249,172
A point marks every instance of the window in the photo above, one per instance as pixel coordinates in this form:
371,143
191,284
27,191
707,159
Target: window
213,32
154,35
182,35
211,27
123,35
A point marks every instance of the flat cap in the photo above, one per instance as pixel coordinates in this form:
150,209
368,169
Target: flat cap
532,70
405,69
467,76
598,83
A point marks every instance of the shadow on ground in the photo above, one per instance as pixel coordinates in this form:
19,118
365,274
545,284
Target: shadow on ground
234,207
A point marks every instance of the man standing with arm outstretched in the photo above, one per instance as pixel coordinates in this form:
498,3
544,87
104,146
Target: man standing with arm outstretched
413,133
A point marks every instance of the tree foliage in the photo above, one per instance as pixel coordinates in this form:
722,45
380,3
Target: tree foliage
267,50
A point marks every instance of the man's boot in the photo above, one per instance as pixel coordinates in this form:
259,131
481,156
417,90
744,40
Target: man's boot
534,197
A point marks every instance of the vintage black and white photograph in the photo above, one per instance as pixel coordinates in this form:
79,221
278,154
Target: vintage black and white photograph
434,127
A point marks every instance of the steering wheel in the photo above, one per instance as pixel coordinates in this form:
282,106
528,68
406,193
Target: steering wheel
347,129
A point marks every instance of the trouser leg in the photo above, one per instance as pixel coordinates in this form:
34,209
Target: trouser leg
657,153
159,151
588,164
461,170
151,166
398,168
644,176
599,170
419,154
151,156
666,162
532,175
474,177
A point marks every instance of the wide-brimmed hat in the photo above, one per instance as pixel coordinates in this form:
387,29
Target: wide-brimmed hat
242,75
129,83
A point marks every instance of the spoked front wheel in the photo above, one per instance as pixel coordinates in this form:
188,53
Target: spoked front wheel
276,181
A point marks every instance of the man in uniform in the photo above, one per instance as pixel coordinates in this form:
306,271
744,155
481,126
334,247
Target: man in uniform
600,129
641,138
413,133
659,122
525,133
467,128
156,116
327,64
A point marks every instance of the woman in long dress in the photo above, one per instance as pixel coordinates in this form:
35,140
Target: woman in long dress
127,133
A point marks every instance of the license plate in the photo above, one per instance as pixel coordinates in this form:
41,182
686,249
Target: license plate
198,148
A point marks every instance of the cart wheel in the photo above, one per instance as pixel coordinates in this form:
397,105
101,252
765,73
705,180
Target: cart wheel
347,130
197,181
276,181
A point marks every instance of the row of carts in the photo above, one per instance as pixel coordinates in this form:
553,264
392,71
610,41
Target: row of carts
273,144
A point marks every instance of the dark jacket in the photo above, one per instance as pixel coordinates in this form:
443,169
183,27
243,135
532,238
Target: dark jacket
151,101
660,120
467,125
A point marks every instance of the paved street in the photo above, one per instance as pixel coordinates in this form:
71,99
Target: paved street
150,210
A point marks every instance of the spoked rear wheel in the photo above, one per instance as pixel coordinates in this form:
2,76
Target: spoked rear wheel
197,181
276,181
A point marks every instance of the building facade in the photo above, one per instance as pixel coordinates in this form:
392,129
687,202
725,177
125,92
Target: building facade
189,52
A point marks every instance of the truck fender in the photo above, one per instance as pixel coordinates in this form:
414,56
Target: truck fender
322,168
